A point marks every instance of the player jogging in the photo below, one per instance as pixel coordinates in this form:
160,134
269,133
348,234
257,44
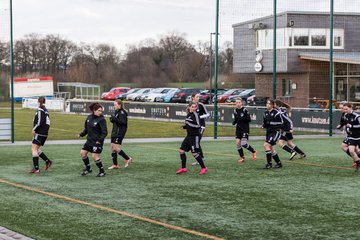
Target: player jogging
242,120
119,121
40,132
272,122
96,131
191,141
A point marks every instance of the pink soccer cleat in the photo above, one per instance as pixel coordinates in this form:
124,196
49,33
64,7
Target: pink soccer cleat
181,170
203,171
241,160
254,156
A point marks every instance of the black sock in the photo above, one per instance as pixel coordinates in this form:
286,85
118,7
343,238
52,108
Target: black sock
276,158
298,150
43,157
287,148
348,152
114,158
99,165
200,161
123,154
86,162
248,147
241,152
201,152
36,162
183,160
268,157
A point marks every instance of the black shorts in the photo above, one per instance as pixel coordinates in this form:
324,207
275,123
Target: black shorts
286,136
93,149
272,137
346,140
354,142
39,140
191,143
240,135
117,140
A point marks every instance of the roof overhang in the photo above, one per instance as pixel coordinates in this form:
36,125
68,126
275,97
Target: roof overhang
339,57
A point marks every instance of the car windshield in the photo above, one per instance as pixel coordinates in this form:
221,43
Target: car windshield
229,92
134,90
247,91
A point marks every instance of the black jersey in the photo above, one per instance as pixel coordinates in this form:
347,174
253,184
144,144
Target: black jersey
288,124
192,124
353,125
272,121
343,120
95,128
203,113
242,120
41,123
119,121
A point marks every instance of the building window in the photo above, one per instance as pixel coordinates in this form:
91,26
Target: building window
307,38
286,87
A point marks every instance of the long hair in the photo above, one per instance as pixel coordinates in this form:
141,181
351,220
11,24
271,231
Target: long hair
121,103
189,105
280,103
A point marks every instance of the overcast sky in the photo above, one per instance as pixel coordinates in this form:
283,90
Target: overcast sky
122,22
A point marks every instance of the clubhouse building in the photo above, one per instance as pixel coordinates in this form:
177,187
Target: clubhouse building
303,43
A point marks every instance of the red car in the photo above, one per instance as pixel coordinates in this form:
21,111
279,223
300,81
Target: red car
110,95
222,98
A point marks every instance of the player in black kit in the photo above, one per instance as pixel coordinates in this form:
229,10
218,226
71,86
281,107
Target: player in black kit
119,121
191,141
40,133
353,129
203,114
286,137
96,131
272,122
242,120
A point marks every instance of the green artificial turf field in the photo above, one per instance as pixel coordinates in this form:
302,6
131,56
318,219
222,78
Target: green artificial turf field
312,198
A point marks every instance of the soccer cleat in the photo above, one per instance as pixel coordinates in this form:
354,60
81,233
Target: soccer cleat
48,164
354,164
181,170
86,172
268,166
254,156
101,174
303,155
195,163
241,160
113,167
127,162
278,165
34,171
293,154
203,171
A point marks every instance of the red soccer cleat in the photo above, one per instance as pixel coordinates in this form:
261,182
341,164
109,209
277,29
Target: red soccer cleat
241,160
34,171
113,167
127,162
181,170
354,165
203,171
48,165
254,156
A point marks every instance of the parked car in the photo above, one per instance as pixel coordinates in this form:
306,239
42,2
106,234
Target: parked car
110,95
243,95
257,101
156,94
231,92
181,95
141,97
122,96
132,96
168,96
205,96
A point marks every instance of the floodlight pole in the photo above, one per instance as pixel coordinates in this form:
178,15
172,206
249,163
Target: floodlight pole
210,66
331,65
274,52
12,74
216,70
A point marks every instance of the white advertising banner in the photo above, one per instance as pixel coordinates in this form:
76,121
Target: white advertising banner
50,104
31,87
